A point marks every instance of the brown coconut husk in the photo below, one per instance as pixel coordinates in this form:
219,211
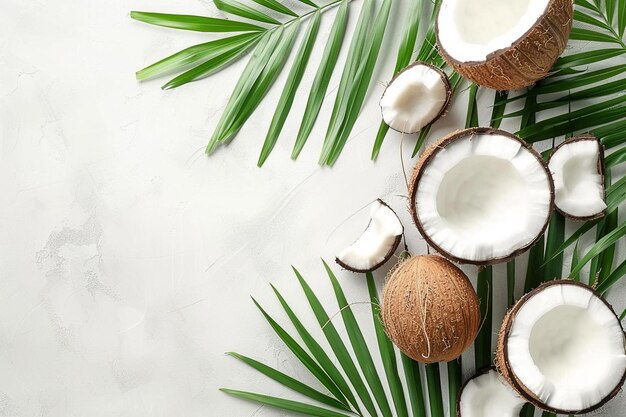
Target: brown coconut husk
600,167
430,309
504,367
432,151
528,59
446,81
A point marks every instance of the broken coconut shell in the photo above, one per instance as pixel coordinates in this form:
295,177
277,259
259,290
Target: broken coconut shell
516,54
557,334
489,197
430,309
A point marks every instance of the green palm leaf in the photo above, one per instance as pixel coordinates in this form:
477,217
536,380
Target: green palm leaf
387,352
322,78
359,346
601,245
291,86
319,354
288,405
337,346
290,382
433,381
277,7
195,23
240,9
414,388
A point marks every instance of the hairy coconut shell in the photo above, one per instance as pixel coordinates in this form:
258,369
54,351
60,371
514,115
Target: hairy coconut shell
528,59
504,367
446,82
430,309
600,168
430,153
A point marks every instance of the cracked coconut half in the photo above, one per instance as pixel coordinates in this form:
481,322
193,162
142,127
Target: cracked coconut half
415,98
561,347
481,196
487,395
377,243
504,45
578,171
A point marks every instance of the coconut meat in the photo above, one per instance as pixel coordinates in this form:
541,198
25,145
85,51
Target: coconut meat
566,346
414,99
487,395
578,184
376,243
470,30
482,197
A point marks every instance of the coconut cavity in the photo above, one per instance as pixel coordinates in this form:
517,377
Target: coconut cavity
429,309
376,244
562,347
577,169
503,44
481,196
415,98
486,395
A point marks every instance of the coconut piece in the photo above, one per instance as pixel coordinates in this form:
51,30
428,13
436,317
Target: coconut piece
487,394
377,243
578,171
562,348
504,45
430,309
416,97
481,196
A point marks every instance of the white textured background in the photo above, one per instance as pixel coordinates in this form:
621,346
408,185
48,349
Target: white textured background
127,256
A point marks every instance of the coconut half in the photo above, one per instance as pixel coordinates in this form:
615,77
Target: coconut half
488,395
377,243
578,171
504,45
416,97
562,348
481,196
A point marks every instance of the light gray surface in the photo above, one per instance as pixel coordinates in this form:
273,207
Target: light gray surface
127,256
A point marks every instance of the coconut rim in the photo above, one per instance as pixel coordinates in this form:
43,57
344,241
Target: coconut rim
444,107
389,254
498,52
512,378
430,154
600,167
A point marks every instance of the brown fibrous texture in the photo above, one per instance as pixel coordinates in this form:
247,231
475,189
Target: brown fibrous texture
430,309
527,60
504,367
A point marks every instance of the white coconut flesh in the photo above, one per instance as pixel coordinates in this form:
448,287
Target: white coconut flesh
567,347
414,99
377,243
483,197
488,395
578,186
470,30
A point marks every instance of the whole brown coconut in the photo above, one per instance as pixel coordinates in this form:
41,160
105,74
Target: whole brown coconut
430,309
528,59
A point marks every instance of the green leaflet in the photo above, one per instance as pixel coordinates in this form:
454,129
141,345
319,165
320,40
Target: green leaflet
359,346
240,9
387,352
283,404
194,54
322,78
601,245
482,345
291,86
435,399
337,346
290,382
413,381
360,67
195,23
